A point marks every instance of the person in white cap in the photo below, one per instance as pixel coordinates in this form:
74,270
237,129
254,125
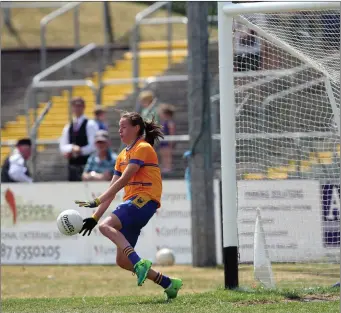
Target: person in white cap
100,165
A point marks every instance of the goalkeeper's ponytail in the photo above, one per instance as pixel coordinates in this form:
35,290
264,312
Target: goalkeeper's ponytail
151,130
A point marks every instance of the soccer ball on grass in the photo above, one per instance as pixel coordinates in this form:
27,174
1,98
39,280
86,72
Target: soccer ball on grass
165,257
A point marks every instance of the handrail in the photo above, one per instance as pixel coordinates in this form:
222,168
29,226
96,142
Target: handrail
36,81
136,33
90,84
66,83
163,20
67,60
239,136
40,118
141,19
150,10
154,21
34,131
47,19
30,5
146,80
37,84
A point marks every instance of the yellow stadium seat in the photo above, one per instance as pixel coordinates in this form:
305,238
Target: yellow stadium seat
176,55
292,167
325,157
277,175
313,158
163,45
305,166
153,61
253,176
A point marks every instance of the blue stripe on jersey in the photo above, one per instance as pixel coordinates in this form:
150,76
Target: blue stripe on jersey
151,164
139,183
118,173
136,161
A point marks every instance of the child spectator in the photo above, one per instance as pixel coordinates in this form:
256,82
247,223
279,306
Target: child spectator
149,105
101,117
166,148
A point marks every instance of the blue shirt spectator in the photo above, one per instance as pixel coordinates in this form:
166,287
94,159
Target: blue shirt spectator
100,164
100,117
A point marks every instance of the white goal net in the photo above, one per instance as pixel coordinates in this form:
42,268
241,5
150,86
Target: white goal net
287,94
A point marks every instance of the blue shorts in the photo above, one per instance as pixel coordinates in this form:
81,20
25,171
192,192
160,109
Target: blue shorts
134,214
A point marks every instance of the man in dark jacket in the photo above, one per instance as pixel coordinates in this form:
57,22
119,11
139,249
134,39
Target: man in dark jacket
78,140
14,169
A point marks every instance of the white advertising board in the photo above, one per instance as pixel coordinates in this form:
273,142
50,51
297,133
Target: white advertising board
291,213
29,233
291,217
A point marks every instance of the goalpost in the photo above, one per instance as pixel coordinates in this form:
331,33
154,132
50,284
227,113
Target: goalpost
280,138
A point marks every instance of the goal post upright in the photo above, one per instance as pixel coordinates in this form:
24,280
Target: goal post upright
226,12
228,148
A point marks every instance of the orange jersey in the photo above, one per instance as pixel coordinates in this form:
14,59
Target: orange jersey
147,179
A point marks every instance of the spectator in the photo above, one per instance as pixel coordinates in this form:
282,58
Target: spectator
78,140
331,30
100,165
149,104
166,148
247,49
14,169
187,155
101,117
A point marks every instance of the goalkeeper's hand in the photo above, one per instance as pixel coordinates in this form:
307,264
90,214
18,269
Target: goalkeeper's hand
88,225
88,204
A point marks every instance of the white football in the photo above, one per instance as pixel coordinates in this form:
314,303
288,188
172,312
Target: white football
69,222
165,257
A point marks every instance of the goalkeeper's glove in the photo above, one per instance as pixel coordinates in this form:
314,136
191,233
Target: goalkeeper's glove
88,225
89,204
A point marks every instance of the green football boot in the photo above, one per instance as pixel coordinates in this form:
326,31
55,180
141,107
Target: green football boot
141,270
172,291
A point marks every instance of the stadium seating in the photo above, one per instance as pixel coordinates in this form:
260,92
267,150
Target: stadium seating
319,164
153,62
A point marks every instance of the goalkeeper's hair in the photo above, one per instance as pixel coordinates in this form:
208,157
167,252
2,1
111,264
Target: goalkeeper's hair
151,130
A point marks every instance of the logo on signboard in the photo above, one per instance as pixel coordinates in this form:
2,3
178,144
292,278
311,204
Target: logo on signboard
10,199
172,232
331,215
14,209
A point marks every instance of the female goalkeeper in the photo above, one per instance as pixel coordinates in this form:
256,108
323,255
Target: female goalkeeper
136,170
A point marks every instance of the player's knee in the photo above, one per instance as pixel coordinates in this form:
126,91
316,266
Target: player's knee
104,228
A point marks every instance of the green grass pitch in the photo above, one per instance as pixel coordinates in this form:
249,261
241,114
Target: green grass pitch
104,289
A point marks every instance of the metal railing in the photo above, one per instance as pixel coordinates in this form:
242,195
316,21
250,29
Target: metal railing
67,60
50,17
155,21
141,19
38,84
30,4
33,134
136,33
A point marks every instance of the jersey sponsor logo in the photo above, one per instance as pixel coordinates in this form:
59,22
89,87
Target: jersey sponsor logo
140,201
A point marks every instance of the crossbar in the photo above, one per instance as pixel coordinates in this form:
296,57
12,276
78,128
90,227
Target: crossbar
232,10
